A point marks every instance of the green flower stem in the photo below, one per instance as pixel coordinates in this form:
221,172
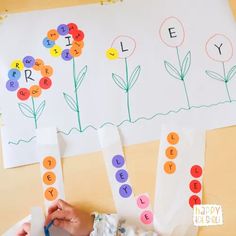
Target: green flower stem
226,82
182,77
34,113
76,97
127,90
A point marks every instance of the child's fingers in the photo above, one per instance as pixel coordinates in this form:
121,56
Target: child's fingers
65,225
60,215
59,204
25,230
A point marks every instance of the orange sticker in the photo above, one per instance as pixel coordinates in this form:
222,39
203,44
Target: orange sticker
49,178
53,35
75,51
46,71
50,194
38,65
169,167
171,152
79,44
173,138
49,162
35,91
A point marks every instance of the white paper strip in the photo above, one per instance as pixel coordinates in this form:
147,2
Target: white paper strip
37,222
179,180
14,229
50,164
118,175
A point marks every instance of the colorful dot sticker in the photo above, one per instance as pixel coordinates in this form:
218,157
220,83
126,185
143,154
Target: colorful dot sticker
17,64
171,152
63,29
173,138
45,83
53,35
12,85
56,51
194,200
23,94
51,194
125,190
47,43
196,171
38,65
28,61
49,162
35,91
146,217
143,201
118,161
121,176
14,74
112,54
49,178
169,167
195,186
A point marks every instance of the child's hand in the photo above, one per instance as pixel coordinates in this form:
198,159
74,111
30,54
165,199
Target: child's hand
25,230
64,216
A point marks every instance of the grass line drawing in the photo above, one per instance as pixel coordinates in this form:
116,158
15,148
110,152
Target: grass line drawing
120,124
122,48
220,49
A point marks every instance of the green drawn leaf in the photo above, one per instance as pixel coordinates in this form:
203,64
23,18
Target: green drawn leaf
231,73
40,109
119,81
80,77
134,76
172,70
26,110
186,64
215,75
70,102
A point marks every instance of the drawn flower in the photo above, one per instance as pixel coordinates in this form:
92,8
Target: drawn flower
27,70
123,47
67,42
220,49
172,34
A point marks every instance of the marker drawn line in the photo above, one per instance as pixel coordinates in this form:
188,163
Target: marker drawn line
127,121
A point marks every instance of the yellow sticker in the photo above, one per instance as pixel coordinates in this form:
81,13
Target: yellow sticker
56,51
112,54
17,64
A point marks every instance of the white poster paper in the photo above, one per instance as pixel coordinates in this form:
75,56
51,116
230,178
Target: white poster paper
87,67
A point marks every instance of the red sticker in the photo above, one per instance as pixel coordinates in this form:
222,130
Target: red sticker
45,83
147,217
196,171
23,94
194,200
78,35
72,27
195,186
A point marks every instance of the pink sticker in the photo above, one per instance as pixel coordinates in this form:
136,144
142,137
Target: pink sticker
147,217
143,201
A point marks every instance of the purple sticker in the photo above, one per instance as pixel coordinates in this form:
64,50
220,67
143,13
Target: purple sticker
47,43
121,176
125,191
12,85
28,61
66,55
118,161
14,74
63,29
